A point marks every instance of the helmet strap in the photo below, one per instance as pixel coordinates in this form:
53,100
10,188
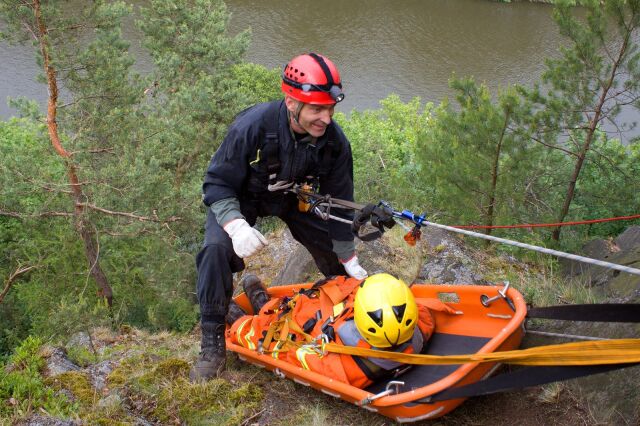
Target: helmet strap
294,116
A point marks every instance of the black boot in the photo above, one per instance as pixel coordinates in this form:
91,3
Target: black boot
256,292
213,354
234,313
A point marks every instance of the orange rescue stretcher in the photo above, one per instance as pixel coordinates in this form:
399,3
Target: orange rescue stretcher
488,319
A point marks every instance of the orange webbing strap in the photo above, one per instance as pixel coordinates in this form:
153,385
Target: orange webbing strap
280,331
616,351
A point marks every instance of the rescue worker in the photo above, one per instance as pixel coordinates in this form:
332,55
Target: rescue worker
379,312
268,149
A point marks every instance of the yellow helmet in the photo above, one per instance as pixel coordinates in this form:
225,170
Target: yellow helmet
385,311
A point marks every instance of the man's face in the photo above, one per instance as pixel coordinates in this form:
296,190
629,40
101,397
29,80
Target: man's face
313,119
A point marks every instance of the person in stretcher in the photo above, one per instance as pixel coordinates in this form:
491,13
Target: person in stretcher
379,312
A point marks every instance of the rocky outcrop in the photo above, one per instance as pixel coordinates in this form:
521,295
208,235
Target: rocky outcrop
611,284
449,262
614,397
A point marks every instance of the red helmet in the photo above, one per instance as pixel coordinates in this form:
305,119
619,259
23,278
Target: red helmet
312,79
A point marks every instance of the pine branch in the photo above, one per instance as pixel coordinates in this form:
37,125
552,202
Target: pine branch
23,216
153,218
21,270
548,145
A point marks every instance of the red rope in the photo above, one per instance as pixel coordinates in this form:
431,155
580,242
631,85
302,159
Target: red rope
542,225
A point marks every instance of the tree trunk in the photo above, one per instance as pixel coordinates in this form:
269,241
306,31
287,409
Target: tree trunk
83,226
593,125
494,178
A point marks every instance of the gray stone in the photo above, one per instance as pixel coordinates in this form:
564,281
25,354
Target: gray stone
629,239
614,397
595,249
58,363
110,401
47,421
80,339
98,373
450,262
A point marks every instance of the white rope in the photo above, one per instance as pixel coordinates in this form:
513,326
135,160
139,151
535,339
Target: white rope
566,336
557,253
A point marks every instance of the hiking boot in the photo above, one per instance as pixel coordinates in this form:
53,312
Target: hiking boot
213,354
234,313
256,292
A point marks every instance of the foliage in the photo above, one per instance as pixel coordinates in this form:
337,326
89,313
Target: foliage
598,72
22,389
383,158
481,167
139,146
257,83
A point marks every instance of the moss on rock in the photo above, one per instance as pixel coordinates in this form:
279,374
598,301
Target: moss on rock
214,402
77,383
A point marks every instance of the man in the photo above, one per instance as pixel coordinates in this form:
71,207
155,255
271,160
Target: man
268,149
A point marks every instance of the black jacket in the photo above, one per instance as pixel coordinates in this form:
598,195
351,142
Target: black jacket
230,174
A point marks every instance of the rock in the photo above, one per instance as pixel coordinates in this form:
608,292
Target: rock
58,363
110,401
450,262
614,397
80,339
629,239
47,421
595,249
98,374
298,267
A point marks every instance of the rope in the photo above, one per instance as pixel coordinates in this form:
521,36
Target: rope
557,253
543,225
335,202
563,335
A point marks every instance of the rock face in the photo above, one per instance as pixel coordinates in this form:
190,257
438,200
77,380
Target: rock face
451,263
614,397
448,261
58,363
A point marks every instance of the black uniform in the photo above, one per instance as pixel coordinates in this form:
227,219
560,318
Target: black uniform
260,149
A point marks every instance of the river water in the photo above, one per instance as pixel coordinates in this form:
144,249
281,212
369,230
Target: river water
407,47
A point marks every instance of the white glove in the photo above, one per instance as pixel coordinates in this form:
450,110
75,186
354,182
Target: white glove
353,268
246,240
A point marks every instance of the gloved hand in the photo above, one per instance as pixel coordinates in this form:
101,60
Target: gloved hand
246,240
353,268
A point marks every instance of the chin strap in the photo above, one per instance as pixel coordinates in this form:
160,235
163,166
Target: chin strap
295,116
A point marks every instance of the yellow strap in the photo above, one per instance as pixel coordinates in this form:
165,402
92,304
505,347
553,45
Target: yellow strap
617,351
257,158
338,308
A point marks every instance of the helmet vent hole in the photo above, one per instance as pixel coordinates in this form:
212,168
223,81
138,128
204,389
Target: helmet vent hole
376,316
408,322
398,311
372,330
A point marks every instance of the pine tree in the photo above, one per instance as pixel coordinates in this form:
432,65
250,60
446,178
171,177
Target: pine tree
595,76
133,149
470,155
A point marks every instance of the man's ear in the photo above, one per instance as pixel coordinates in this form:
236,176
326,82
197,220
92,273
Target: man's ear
292,104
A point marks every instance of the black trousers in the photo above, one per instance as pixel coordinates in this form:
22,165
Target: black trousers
217,261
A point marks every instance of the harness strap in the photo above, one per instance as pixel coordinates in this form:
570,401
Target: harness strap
271,145
269,149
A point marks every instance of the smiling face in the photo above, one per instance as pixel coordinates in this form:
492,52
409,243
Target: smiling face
312,119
